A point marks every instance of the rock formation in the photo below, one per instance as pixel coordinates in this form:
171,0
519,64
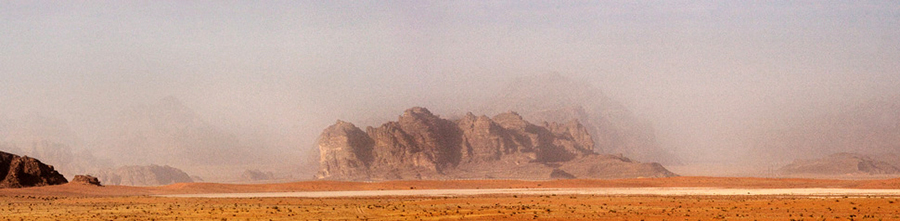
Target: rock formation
24,171
256,175
152,175
561,174
421,145
86,180
839,164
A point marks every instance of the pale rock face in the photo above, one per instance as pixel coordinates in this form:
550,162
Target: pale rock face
421,145
481,138
345,150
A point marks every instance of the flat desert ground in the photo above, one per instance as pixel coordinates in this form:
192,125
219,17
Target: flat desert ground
677,198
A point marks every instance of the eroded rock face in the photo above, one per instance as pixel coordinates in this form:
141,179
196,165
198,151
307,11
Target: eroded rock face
152,175
421,145
24,171
345,150
839,164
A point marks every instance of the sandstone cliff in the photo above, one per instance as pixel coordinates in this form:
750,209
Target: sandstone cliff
421,145
24,171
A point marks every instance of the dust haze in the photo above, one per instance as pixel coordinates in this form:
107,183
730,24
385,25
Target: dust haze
218,88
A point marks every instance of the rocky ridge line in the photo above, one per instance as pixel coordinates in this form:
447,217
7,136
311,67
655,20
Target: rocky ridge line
421,145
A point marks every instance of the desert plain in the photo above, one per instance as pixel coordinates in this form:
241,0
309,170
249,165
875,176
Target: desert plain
675,198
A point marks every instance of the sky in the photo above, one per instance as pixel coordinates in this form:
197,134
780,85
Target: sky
700,71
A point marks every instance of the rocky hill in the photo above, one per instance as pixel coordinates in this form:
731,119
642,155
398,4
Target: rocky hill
152,175
24,171
839,164
421,145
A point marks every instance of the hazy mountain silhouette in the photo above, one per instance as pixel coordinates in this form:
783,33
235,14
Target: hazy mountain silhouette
555,98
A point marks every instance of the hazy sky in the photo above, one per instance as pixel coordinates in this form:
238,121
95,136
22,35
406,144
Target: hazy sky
699,70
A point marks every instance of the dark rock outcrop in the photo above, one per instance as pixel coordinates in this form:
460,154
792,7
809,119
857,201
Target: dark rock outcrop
86,180
839,164
421,145
561,174
24,171
152,175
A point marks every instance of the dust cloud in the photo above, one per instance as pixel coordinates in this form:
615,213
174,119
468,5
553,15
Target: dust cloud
219,88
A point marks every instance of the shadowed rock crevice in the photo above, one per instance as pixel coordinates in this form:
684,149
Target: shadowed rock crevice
421,145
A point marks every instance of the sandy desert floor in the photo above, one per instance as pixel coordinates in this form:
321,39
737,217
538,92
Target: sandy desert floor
79,202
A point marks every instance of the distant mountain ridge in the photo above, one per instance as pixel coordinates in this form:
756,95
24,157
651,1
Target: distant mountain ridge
168,132
556,98
421,145
146,175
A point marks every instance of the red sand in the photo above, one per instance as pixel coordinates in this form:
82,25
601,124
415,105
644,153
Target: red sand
189,188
